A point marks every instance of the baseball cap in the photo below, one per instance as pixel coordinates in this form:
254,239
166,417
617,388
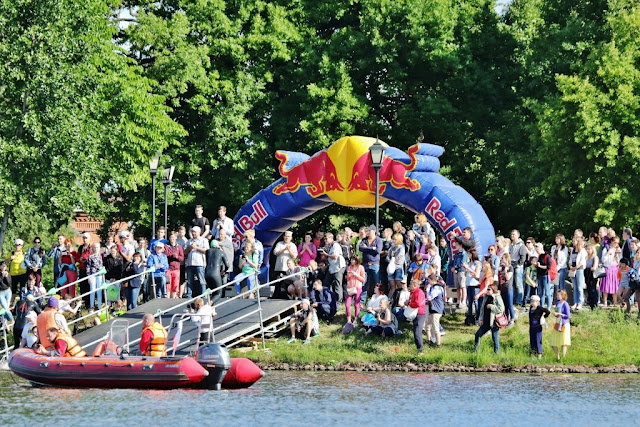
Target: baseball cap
215,244
52,302
305,300
18,242
87,235
159,245
372,227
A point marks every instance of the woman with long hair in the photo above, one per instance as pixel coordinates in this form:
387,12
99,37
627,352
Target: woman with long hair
355,280
561,333
492,306
560,252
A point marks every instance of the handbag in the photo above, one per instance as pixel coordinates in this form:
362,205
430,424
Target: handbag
600,272
391,267
559,327
572,273
501,320
352,290
410,313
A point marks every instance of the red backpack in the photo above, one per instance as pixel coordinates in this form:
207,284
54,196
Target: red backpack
553,267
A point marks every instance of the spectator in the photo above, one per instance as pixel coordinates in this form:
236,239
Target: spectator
201,222
591,265
624,290
161,236
423,246
84,250
505,280
107,245
23,308
401,301
304,323
295,285
386,323
196,260
634,283
371,247
250,236
307,251
182,242
355,243
159,261
492,306
68,272
54,255
17,269
443,251
175,256
217,264
29,334
486,280
35,259
125,247
423,227
32,289
560,252
536,313
518,254
627,238
396,255
222,223
435,262
411,246
337,264
472,281
323,301
417,269
435,300
284,251
94,265
355,281
561,333
577,270
417,300
143,248
226,245
5,291
113,263
460,258
545,288
318,239
249,265
387,243
132,288
203,318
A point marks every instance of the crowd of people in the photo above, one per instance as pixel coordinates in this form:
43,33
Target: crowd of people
381,279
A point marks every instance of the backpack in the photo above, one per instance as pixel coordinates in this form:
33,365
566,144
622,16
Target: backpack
553,267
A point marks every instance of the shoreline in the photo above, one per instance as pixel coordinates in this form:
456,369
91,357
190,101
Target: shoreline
452,368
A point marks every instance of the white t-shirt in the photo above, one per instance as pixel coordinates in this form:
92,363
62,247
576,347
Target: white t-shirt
562,256
29,335
403,298
197,258
286,255
204,321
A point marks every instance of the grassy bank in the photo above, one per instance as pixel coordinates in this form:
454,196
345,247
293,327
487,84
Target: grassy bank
600,338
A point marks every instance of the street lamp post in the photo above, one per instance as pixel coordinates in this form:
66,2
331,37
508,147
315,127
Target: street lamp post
153,169
377,154
166,181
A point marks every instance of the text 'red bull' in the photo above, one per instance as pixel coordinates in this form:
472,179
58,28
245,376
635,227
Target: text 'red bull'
318,174
246,222
440,218
392,171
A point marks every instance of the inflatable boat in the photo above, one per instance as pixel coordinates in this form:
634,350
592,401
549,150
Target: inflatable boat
211,370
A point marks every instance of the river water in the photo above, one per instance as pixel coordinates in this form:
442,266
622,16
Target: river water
340,398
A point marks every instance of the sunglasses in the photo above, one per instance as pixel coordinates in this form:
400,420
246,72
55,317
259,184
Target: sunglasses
528,243
37,242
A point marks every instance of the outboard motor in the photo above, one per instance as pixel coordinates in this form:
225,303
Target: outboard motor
215,359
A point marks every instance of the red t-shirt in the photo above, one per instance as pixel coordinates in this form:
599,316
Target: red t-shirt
145,339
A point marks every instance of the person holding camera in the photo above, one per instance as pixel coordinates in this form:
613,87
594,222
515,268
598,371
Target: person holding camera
284,251
337,264
304,323
17,268
222,224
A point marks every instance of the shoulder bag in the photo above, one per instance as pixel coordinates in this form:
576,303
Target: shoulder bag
501,320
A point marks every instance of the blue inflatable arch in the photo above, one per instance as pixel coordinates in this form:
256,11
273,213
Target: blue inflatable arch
308,182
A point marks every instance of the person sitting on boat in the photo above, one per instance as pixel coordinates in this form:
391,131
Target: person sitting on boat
29,336
154,337
23,308
205,313
64,345
304,323
50,318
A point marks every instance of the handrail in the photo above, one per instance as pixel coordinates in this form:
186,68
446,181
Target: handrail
55,290
105,285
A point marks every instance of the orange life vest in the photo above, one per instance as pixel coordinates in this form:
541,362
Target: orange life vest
156,347
73,348
46,320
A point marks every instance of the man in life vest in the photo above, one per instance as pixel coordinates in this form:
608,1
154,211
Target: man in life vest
63,345
154,337
50,318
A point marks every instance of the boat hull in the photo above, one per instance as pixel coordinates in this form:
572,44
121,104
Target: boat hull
107,371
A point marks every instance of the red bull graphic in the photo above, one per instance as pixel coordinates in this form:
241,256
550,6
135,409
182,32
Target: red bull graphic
342,174
393,171
318,174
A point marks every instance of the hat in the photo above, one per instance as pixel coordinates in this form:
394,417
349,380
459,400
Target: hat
31,316
535,298
196,228
372,227
18,242
215,244
288,233
87,235
159,245
305,300
124,234
52,302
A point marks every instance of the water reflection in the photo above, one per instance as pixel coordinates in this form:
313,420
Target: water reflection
345,398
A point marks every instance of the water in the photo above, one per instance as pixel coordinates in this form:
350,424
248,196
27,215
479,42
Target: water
344,398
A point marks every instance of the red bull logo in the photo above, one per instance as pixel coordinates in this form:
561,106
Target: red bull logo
318,174
434,210
247,222
392,171
343,172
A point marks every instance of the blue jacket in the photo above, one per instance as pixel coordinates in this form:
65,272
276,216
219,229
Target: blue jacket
371,254
154,260
327,298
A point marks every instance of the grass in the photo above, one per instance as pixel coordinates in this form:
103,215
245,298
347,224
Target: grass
604,337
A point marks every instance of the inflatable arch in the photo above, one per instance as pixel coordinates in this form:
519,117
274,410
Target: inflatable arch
343,174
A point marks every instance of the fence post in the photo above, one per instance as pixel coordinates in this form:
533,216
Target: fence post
260,311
